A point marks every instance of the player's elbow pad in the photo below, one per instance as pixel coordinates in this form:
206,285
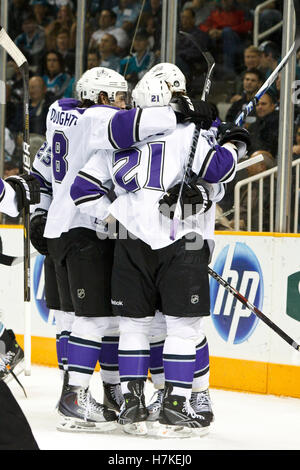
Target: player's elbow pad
219,164
86,188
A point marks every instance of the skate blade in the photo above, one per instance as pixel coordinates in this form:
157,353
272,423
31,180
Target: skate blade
167,431
138,429
75,425
17,370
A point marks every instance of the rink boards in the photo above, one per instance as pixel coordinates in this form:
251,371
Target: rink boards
245,353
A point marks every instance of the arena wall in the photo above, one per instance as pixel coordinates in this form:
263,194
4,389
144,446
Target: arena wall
246,355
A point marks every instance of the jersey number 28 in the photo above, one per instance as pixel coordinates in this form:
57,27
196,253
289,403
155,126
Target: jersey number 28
60,147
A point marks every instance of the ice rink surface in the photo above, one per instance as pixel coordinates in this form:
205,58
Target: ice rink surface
243,421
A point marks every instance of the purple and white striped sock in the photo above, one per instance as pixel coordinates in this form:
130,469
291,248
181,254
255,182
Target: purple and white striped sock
108,360
179,357
134,358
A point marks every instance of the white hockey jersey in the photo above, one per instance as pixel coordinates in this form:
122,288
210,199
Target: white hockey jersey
8,199
73,135
143,173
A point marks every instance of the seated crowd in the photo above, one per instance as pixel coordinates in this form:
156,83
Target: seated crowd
121,37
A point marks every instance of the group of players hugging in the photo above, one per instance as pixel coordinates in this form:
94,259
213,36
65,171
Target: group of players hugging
103,190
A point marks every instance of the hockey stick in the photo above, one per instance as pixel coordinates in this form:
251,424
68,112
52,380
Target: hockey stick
253,309
210,64
14,260
21,61
207,84
249,162
133,39
250,106
7,260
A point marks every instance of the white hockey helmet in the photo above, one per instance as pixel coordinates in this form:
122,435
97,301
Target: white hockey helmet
171,74
151,92
98,79
79,87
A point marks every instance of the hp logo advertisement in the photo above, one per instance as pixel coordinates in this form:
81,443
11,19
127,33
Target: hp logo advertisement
239,266
39,289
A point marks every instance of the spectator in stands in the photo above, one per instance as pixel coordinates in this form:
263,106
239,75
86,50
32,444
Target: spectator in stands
264,132
10,108
39,102
107,21
153,26
59,83
253,80
226,25
10,169
252,56
188,57
127,13
270,16
63,46
16,8
93,59
296,146
107,51
95,6
270,55
15,82
224,215
42,12
201,8
298,56
64,20
32,41
135,66
267,163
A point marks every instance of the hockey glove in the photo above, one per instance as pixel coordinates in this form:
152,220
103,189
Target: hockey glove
199,112
27,189
239,136
194,200
37,227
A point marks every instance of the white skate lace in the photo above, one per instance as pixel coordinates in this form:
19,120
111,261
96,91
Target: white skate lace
156,405
2,365
201,400
6,360
189,410
117,394
89,403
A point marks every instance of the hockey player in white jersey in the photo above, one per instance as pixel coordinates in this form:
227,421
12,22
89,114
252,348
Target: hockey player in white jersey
148,265
200,398
82,262
16,192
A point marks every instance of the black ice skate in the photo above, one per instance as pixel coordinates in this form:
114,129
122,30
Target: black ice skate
154,409
13,359
81,413
133,412
112,396
178,419
201,404
155,406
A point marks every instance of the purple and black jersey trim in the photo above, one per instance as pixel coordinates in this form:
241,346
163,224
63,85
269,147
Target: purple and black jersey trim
2,189
123,129
218,166
45,186
86,188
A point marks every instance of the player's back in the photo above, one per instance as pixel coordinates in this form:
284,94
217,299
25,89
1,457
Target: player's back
74,134
141,175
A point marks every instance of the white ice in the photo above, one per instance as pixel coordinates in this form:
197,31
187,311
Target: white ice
243,421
